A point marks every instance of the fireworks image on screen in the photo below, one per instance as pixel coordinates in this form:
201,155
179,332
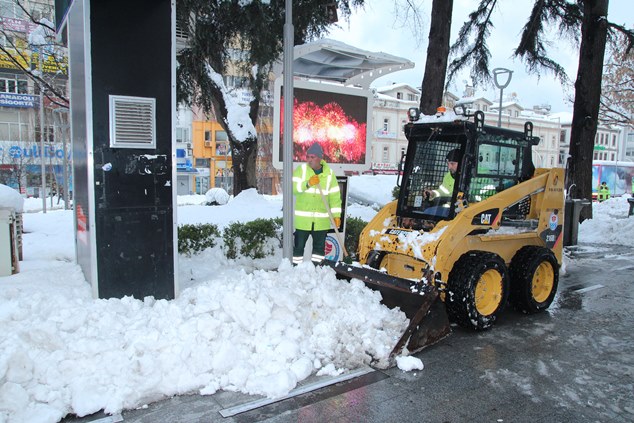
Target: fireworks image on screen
342,138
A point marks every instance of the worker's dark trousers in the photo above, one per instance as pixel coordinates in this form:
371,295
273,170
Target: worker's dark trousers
319,244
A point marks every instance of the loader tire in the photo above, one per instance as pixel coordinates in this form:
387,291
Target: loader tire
534,279
477,290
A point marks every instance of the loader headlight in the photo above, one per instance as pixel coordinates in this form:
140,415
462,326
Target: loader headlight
374,259
413,114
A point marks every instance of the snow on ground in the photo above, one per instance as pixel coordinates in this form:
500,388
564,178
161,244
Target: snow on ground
233,326
373,188
609,224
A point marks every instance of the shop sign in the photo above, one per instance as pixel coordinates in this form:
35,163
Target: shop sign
17,100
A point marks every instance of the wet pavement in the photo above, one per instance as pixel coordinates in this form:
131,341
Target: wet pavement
573,363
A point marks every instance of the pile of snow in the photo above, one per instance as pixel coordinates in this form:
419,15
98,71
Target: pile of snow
217,196
11,199
232,327
609,224
260,333
371,189
408,363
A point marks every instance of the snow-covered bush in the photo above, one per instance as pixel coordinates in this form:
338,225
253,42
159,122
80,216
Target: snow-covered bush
256,239
197,238
217,197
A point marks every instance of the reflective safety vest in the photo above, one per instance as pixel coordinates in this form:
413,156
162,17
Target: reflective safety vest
446,188
309,206
604,192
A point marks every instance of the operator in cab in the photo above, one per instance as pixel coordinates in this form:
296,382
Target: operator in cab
446,187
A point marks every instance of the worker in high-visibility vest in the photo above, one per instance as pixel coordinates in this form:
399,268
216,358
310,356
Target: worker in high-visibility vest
311,215
446,187
603,192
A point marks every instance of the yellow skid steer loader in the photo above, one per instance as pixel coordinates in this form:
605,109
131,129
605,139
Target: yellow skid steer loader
475,225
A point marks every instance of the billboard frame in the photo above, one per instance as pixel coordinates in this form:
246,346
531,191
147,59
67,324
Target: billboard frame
338,168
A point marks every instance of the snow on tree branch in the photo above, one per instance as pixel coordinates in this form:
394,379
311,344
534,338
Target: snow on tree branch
238,120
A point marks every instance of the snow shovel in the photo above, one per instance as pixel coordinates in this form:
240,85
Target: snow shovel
332,222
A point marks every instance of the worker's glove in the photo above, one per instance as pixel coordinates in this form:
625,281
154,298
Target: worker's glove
314,180
337,222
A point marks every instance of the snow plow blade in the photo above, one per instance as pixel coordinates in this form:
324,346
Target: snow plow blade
428,320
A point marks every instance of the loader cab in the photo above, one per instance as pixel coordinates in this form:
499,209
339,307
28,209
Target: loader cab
490,160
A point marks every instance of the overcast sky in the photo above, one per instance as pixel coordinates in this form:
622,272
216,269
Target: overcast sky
376,29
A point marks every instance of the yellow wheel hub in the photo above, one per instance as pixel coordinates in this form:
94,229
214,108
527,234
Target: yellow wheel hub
543,281
488,292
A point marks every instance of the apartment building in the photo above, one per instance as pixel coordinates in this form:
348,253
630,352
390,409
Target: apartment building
610,142
34,125
389,114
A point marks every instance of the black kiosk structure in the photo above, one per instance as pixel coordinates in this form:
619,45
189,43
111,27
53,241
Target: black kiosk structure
122,71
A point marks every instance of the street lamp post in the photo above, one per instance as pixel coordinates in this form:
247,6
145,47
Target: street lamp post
497,72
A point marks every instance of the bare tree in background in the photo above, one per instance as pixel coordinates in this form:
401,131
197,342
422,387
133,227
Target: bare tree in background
20,51
617,93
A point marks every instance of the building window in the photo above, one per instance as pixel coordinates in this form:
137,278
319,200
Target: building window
553,142
182,134
13,131
232,81
399,96
485,108
594,155
552,161
562,137
13,86
402,151
612,155
207,136
386,124
10,9
411,97
386,155
49,133
203,162
221,136
613,140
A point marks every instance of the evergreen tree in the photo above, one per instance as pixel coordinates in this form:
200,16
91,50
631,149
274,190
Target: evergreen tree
247,36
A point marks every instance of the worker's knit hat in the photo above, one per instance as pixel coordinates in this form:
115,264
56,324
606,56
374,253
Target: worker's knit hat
453,155
316,150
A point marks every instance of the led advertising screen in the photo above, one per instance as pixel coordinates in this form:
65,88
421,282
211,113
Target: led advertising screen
334,116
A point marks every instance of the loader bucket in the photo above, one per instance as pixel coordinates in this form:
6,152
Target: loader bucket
428,320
